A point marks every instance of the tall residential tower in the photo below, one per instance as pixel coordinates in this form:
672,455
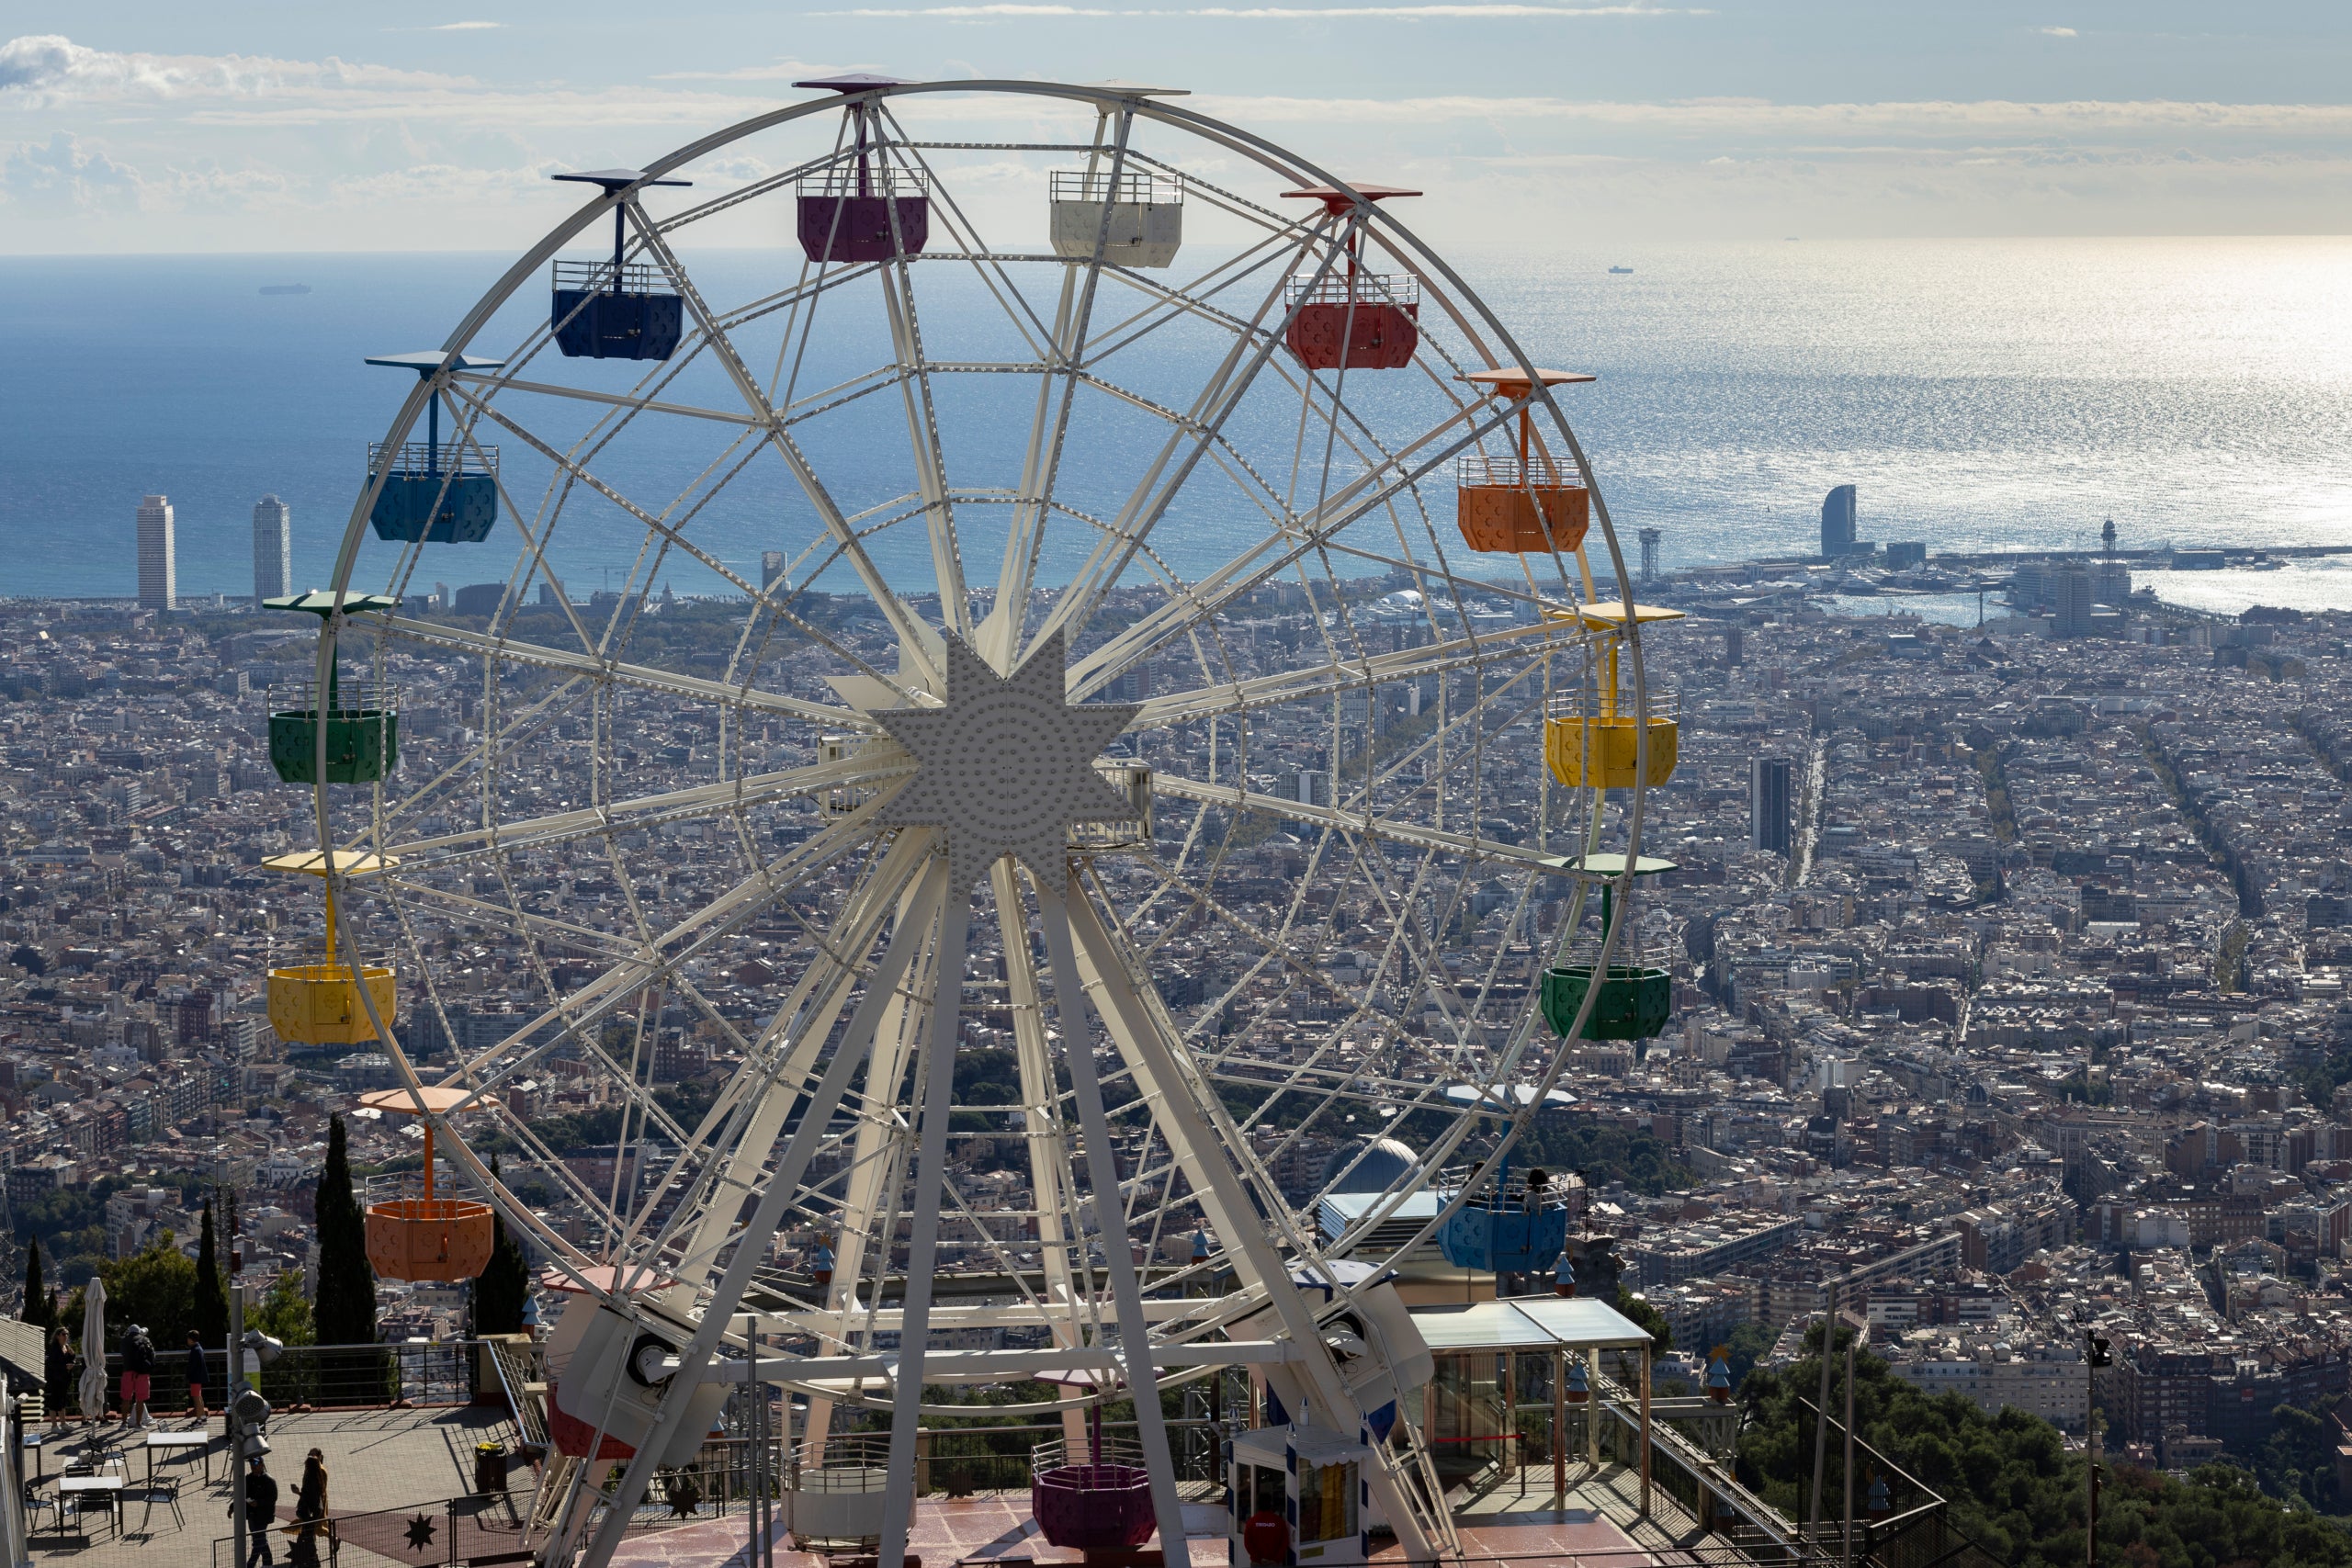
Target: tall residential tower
1769,818
272,550
159,583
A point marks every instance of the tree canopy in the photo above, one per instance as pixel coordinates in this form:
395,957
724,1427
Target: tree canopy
345,1311
2013,1485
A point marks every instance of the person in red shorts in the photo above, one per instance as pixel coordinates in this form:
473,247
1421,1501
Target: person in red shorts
138,1376
196,1376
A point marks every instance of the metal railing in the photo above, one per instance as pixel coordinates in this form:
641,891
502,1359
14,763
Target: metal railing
1512,1195
845,180
1142,190
596,277
352,695
959,1461
1477,470
417,459
319,1376
1583,701
1358,288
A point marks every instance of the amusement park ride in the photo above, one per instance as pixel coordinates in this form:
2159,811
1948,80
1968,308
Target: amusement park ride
1046,469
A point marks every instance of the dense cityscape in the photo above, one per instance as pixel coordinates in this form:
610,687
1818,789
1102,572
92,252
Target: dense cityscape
2008,976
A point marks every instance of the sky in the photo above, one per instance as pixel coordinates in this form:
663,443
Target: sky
243,126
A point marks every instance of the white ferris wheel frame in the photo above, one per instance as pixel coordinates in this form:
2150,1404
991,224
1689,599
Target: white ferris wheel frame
1088,960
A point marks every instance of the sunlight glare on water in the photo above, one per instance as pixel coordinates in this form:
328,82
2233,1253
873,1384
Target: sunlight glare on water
1980,394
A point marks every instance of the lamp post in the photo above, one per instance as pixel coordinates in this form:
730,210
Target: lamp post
2096,1353
228,1414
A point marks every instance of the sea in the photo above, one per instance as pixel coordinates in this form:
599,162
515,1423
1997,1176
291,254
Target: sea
1980,395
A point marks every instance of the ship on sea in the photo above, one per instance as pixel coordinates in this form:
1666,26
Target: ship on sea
285,288
1621,270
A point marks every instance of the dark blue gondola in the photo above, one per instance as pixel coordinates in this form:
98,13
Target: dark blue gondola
430,496
617,311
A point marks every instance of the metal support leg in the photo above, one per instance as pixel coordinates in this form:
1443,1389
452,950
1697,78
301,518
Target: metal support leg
1559,1428
922,1253
1645,1354
1110,1223
782,1186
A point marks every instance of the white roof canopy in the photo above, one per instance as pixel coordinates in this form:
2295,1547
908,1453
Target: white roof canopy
1528,1323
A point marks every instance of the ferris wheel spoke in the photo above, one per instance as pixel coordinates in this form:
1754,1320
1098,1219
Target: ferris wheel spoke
1251,693
609,946
618,400
672,534
1196,1122
960,227
669,683
730,797
902,619
749,1119
1165,304
1364,824
1044,1139
791,1167
596,1001
1254,565
1152,494
1042,464
923,438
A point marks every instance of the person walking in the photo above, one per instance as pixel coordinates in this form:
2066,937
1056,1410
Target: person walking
261,1513
57,1369
309,1508
196,1374
138,1376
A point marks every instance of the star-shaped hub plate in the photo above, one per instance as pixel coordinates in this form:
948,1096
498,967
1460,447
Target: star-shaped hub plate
1006,764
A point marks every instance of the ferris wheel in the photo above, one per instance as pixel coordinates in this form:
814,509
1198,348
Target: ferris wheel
1182,668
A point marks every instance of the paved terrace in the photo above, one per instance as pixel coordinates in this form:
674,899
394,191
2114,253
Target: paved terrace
1519,1519
377,1461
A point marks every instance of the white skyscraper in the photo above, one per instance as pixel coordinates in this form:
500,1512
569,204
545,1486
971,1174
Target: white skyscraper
158,582
272,550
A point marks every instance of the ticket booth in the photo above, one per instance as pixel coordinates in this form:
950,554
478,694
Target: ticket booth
1299,1497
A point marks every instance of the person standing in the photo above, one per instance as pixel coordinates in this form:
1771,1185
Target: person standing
138,1376
197,1373
310,1506
57,1368
261,1513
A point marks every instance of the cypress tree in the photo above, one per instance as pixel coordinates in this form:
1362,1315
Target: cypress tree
39,1307
345,1309
504,1286
211,1323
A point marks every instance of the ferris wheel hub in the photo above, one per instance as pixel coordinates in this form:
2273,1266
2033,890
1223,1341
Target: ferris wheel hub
1005,765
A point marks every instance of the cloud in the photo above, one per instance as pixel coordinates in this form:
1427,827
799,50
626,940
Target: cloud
63,177
781,71
45,70
464,26
1497,9
2057,32
1755,117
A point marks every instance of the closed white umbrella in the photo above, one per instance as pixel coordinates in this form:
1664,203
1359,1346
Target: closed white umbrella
94,1351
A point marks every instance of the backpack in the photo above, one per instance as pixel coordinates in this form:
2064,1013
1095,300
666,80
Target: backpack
138,1353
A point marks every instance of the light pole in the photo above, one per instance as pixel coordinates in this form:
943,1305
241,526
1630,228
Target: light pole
1820,1411
2095,1354
229,1411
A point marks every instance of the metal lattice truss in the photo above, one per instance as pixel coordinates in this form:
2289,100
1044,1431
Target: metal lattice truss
616,846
